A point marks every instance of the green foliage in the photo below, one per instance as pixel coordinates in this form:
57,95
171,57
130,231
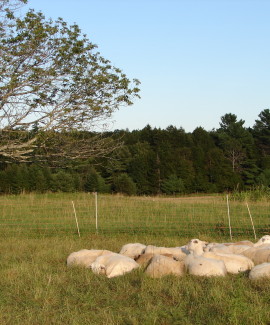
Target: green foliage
254,194
62,182
173,185
264,178
124,184
94,182
51,68
156,161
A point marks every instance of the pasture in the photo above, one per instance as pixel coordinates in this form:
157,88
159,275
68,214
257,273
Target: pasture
38,232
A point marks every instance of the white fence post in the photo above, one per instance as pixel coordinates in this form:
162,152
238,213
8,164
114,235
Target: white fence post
75,215
251,221
229,218
95,193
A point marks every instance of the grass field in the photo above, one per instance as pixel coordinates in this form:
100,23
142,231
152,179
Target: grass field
39,232
50,214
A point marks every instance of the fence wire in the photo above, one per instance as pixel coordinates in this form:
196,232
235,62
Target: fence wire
53,214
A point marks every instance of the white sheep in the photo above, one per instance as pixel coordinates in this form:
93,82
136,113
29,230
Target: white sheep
132,250
113,265
264,240
85,257
238,249
234,263
144,259
262,255
161,265
242,242
227,249
197,264
177,252
260,271
217,248
259,254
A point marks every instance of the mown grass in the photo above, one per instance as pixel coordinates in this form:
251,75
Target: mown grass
38,232
38,288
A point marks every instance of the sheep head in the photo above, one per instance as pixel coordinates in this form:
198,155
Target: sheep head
196,246
264,240
98,268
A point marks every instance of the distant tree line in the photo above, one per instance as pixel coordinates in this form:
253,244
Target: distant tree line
156,161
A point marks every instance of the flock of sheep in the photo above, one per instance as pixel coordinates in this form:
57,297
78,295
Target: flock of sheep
197,257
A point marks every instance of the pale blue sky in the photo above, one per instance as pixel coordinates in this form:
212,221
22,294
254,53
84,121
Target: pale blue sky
196,59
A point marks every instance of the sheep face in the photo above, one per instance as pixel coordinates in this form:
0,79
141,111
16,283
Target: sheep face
264,240
196,245
98,268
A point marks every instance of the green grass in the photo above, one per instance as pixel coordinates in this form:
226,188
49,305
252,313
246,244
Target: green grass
38,288
38,232
50,214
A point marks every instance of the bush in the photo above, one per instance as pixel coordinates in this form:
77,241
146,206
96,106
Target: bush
173,185
124,184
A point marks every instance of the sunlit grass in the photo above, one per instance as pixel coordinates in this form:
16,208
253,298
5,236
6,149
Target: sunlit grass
38,288
49,214
38,232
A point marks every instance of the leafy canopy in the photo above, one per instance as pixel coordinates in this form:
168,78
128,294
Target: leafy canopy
53,77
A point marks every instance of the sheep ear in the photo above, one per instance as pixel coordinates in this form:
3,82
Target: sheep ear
103,270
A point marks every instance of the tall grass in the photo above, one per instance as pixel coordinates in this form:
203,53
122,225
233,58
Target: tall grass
38,232
258,193
50,214
38,288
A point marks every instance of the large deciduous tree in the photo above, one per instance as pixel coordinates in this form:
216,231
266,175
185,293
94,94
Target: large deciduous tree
54,83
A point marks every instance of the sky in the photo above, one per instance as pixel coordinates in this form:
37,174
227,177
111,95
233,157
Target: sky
197,60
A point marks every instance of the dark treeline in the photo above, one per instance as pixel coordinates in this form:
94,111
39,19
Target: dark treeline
160,161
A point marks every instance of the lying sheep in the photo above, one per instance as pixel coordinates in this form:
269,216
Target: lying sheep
264,240
261,256
242,242
144,259
227,249
238,249
161,265
85,257
217,248
260,271
178,252
234,263
197,264
132,250
113,265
